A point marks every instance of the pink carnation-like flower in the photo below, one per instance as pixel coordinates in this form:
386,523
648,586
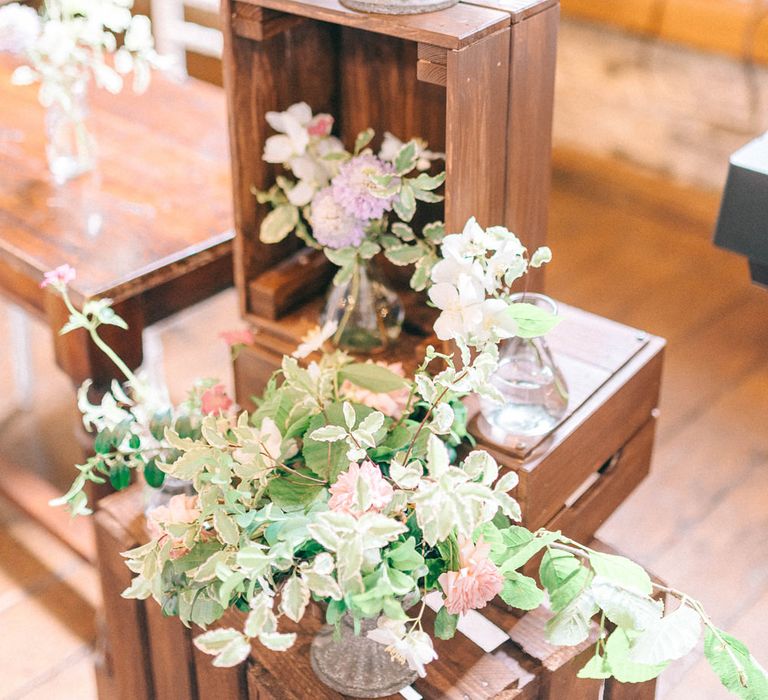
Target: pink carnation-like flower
238,336
60,277
344,491
477,582
391,404
180,509
354,189
332,226
320,125
215,400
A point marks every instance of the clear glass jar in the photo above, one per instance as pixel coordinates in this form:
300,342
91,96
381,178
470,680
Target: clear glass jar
398,7
368,312
70,148
354,665
171,486
534,390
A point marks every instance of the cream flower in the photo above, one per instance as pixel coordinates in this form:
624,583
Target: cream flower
181,509
361,489
314,339
460,306
414,648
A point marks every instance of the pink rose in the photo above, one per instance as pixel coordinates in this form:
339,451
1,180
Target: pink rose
238,336
180,509
477,582
391,404
320,125
215,400
60,277
344,492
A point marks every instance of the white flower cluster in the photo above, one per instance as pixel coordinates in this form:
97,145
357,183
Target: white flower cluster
470,284
70,41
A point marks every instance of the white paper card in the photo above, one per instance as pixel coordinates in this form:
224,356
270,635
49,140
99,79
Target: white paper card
473,625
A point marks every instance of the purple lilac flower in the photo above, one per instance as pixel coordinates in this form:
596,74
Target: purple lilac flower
332,226
353,188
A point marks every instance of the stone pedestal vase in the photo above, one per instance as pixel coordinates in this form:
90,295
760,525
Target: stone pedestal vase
398,7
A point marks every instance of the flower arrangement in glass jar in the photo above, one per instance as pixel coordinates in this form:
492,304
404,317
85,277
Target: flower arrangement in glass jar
353,205
355,487
68,43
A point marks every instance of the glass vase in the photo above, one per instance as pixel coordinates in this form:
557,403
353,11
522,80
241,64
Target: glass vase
534,390
171,486
70,148
368,312
398,7
356,666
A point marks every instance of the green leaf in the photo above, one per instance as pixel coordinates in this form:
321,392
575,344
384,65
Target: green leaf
120,476
291,490
429,182
404,254
403,556
405,160
328,433
624,607
596,667
363,139
736,668
152,475
670,638
521,592
621,571
294,598
278,641
532,321
522,545
103,443
372,377
403,231
571,625
226,527
278,223
622,667
445,624
405,204
335,611
229,646
564,577
134,442
434,232
341,256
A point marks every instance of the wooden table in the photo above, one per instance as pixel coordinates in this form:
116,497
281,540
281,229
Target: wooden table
151,229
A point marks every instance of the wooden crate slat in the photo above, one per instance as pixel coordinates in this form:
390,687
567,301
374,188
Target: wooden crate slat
518,9
453,28
171,655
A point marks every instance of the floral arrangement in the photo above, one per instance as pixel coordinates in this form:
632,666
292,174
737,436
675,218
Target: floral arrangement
353,486
352,205
69,41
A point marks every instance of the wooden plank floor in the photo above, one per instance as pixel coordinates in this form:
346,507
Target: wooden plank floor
627,245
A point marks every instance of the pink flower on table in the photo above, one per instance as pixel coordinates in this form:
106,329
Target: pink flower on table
320,125
59,278
345,492
391,404
181,509
355,190
477,581
215,400
238,336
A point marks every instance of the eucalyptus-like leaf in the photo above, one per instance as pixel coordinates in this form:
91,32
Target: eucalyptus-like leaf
626,608
669,638
294,598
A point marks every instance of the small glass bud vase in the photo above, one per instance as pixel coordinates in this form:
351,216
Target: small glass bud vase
70,148
356,666
171,486
398,7
534,390
367,311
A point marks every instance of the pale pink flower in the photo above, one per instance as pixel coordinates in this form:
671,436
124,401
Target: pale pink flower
60,277
477,581
215,400
391,404
320,125
238,336
180,509
345,492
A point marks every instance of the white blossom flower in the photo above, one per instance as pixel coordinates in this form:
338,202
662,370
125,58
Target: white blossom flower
496,323
541,256
460,306
292,138
314,339
19,28
414,648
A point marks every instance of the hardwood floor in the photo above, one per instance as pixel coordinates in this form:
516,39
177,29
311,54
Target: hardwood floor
627,245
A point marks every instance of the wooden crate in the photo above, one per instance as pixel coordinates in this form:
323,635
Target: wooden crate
152,657
475,80
573,479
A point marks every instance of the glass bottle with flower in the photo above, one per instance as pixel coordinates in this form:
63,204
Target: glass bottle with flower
353,206
67,44
345,486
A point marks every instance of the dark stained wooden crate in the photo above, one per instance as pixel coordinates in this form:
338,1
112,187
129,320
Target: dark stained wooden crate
475,80
152,657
